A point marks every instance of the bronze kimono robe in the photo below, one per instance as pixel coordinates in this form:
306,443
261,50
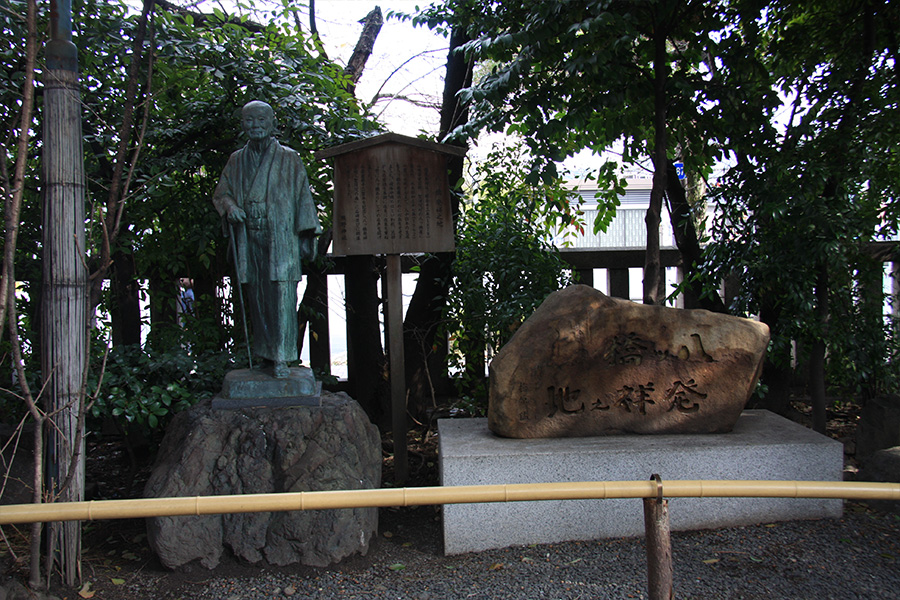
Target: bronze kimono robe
280,228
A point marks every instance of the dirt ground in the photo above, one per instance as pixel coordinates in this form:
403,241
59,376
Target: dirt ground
118,562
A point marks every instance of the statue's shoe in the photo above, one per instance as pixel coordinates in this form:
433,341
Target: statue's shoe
281,370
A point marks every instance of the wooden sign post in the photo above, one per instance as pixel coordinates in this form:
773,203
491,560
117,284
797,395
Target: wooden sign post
391,197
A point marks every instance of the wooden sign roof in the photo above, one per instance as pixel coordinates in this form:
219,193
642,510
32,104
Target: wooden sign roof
385,138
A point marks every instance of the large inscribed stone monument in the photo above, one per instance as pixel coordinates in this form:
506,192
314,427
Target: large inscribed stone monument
586,364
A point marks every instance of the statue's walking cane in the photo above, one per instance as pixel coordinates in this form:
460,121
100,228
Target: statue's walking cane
237,272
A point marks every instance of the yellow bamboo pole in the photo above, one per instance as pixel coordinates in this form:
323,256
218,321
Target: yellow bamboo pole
587,490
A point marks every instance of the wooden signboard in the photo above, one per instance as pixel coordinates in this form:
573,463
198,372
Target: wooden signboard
391,196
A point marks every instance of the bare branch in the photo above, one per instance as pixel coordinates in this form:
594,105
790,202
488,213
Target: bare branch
414,101
16,192
408,85
378,93
9,547
34,576
14,440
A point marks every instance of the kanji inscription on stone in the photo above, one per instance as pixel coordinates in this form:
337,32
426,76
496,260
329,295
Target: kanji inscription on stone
585,364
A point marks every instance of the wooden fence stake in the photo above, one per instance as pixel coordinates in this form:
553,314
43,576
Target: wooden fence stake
659,545
394,325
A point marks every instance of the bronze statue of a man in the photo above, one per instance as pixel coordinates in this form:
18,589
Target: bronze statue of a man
265,199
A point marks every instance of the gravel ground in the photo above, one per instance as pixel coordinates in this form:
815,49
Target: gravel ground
857,556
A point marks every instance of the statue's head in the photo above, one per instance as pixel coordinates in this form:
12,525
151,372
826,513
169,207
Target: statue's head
258,120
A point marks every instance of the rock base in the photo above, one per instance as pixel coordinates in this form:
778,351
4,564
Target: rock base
878,426
883,466
210,452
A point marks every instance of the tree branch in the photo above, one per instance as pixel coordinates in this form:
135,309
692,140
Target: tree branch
204,19
16,191
410,99
371,26
34,577
378,94
143,132
115,203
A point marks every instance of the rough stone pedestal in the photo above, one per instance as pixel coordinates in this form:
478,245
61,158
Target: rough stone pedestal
260,450
761,446
878,426
883,466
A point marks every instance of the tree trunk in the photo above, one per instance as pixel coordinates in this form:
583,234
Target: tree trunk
817,354
426,354
163,317
115,203
476,364
653,280
847,124
65,298
126,309
366,363
315,300
777,372
371,26
209,308
319,347
688,244
870,275
12,214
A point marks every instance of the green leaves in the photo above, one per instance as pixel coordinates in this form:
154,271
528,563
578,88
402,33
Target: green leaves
142,390
806,192
796,102
504,266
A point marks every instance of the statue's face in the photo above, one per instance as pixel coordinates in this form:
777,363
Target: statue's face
258,122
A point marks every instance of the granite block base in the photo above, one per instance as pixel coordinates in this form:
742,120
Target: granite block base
761,446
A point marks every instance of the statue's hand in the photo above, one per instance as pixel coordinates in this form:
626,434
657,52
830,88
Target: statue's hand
307,247
236,214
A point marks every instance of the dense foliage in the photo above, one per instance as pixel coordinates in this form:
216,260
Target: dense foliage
185,85
795,103
504,266
813,180
142,389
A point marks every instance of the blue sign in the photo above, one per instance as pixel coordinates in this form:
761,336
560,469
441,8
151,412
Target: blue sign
679,169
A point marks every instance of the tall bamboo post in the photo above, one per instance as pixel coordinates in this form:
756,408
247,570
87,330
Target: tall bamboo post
65,297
